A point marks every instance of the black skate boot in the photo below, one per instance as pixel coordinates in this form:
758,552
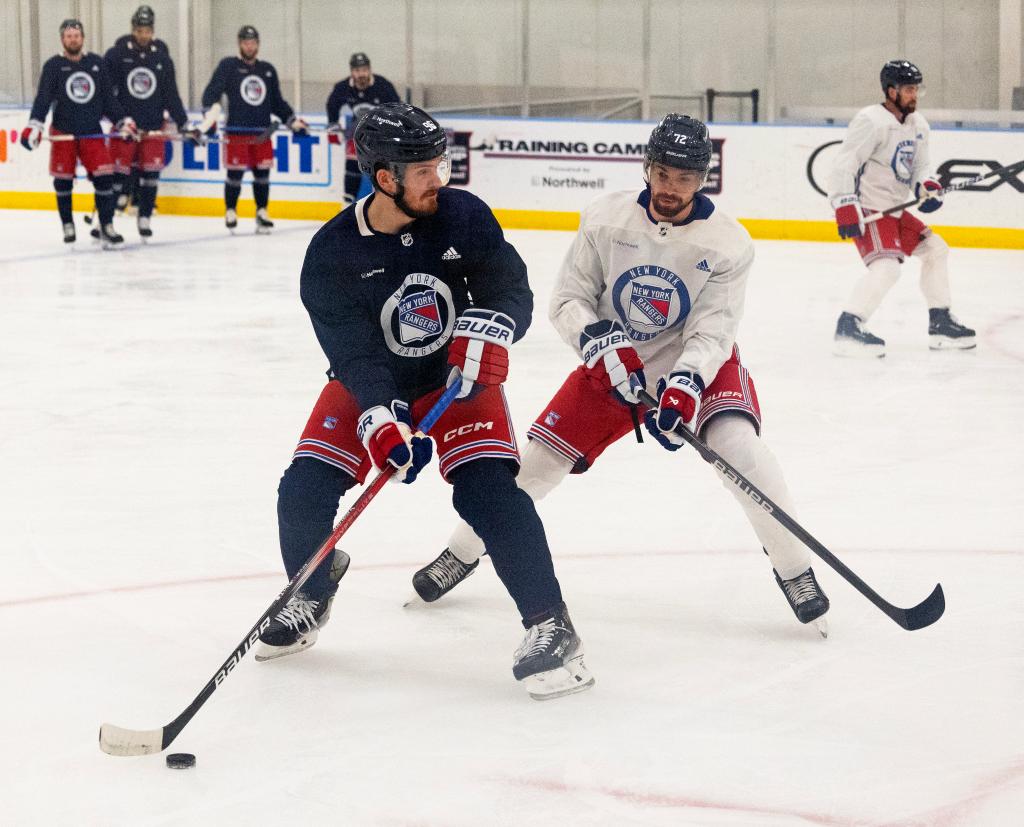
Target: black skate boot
109,237
145,231
806,598
440,577
297,625
69,234
549,661
853,340
263,223
946,333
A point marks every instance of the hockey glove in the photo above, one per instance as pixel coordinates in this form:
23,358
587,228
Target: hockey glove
478,353
192,134
334,133
297,125
923,188
387,436
127,129
610,359
678,403
31,135
849,216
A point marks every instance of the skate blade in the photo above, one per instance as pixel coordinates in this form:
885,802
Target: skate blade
857,351
944,343
821,624
557,683
264,652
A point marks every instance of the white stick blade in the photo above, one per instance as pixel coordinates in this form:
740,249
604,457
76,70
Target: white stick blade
115,740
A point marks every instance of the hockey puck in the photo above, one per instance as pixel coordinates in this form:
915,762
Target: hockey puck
181,760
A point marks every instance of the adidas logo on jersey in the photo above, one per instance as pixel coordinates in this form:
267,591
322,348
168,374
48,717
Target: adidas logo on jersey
703,265
450,254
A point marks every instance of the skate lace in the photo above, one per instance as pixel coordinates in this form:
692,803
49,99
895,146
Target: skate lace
447,570
538,638
299,612
801,589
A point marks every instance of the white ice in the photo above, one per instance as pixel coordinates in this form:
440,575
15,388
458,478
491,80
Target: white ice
150,399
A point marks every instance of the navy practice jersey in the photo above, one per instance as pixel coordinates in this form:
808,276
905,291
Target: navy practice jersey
253,90
144,82
344,94
80,93
383,306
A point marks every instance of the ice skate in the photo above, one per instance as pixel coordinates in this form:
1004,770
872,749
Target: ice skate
69,233
263,223
853,340
806,599
549,661
297,626
145,232
109,237
946,333
230,219
435,580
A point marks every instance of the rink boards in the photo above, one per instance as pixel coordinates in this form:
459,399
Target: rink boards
539,174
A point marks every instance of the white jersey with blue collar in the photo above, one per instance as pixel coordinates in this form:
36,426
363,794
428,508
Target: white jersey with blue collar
677,289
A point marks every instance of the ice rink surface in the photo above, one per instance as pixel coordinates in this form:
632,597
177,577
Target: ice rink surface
150,399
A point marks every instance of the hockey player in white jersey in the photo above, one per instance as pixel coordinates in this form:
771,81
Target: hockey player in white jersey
884,158
653,286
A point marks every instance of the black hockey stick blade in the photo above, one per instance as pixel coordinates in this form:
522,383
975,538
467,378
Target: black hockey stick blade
924,613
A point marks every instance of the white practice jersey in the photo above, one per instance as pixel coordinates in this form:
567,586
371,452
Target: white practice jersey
678,290
881,159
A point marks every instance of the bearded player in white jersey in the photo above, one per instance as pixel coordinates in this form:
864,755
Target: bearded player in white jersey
654,285
884,158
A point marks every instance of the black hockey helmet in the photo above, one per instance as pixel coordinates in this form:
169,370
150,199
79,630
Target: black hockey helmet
72,23
679,141
358,59
248,33
394,134
900,73
143,17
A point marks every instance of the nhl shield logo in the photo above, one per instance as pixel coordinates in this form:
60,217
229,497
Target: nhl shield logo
649,304
419,316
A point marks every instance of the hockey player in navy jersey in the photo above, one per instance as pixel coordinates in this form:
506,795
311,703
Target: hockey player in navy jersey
349,100
412,287
884,157
76,86
142,73
653,288
253,93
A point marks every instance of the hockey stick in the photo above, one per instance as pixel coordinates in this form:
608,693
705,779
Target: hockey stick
923,614
1006,171
115,740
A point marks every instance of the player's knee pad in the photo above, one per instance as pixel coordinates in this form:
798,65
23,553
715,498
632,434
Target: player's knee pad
310,488
542,470
150,179
885,270
63,186
235,177
932,248
261,176
734,437
483,487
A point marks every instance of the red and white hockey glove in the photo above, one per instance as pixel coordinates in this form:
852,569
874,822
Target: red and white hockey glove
849,216
297,125
127,129
335,132
678,403
923,188
478,353
31,135
610,358
387,436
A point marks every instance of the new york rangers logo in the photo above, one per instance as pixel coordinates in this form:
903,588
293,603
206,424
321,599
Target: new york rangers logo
649,300
80,87
253,90
649,304
418,316
417,319
903,161
141,83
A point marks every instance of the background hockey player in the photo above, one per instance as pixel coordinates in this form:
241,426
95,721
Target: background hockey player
254,98
142,74
653,286
349,100
76,85
883,158
412,286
